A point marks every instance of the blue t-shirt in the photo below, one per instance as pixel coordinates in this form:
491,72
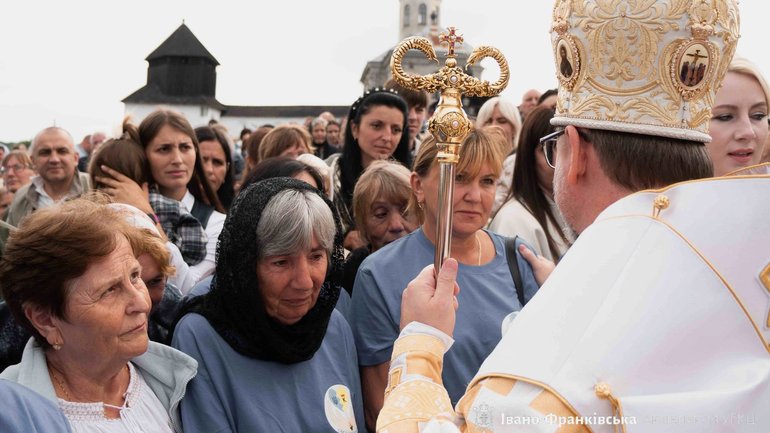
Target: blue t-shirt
487,296
235,393
25,411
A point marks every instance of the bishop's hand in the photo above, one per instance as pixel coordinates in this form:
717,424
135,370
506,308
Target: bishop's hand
431,300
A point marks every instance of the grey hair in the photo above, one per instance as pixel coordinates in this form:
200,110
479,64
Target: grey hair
290,220
318,121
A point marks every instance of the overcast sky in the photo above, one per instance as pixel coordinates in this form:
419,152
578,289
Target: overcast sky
71,62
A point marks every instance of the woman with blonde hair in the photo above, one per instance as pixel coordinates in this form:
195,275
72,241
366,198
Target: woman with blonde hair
17,170
380,202
485,261
739,119
503,114
285,140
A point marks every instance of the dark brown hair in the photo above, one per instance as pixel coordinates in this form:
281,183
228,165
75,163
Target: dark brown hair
281,138
524,185
413,98
252,143
226,191
638,162
124,155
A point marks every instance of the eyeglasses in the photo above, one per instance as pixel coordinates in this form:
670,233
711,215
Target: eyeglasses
15,167
549,147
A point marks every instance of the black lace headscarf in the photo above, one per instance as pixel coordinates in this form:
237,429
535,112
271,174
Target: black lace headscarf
234,306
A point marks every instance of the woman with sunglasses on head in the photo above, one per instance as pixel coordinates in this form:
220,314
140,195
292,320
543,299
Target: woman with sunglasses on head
490,291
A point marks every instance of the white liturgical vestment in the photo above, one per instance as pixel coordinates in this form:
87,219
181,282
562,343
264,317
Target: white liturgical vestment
656,320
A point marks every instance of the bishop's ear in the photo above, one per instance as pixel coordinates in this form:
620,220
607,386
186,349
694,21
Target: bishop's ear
575,153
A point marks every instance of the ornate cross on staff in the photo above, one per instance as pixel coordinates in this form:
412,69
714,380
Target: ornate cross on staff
449,124
451,39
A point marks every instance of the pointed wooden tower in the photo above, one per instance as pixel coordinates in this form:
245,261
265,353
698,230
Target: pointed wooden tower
181,73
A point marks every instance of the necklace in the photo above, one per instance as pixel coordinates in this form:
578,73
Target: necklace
478,245
60,382
63,387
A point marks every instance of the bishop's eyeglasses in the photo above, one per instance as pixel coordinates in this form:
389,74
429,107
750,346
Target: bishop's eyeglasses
549,146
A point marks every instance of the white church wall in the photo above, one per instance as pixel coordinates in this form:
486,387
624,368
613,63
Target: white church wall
197,115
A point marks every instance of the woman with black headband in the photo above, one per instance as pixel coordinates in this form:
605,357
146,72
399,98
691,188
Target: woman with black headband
273,354
376,129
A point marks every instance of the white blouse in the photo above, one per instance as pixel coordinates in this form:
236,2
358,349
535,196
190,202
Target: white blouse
214,227
142,412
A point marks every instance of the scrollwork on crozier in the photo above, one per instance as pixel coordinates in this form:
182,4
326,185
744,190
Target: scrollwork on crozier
429,83
449,76
476,87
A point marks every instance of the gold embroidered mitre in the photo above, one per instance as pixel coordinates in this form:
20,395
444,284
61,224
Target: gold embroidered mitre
645,66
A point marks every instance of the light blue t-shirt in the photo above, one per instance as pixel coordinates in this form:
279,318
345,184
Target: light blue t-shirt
235,393
487,296
25,411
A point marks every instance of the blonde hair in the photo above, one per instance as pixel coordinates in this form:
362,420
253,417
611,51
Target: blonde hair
22,156
740,65
284,137
482,146
509,111
387,180
154,246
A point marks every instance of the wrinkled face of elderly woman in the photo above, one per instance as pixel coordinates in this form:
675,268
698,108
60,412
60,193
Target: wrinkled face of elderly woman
290,283
296,235
107,309
387,221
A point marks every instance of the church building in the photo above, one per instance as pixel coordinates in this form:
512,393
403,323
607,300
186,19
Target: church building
182,75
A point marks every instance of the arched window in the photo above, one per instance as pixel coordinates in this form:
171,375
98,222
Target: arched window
422,14
407,15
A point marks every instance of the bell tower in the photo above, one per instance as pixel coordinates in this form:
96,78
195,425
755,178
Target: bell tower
418,17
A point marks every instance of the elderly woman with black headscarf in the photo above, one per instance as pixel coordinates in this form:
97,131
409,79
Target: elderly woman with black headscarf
274,355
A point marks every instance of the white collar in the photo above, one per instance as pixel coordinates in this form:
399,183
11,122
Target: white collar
188,200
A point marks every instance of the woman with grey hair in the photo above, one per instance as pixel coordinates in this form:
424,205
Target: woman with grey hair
323,149
503,114
274,355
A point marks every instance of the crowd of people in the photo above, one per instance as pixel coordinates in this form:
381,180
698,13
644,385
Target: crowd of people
181,277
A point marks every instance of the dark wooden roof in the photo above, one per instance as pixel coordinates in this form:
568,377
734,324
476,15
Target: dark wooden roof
182,43
150,94
284,111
